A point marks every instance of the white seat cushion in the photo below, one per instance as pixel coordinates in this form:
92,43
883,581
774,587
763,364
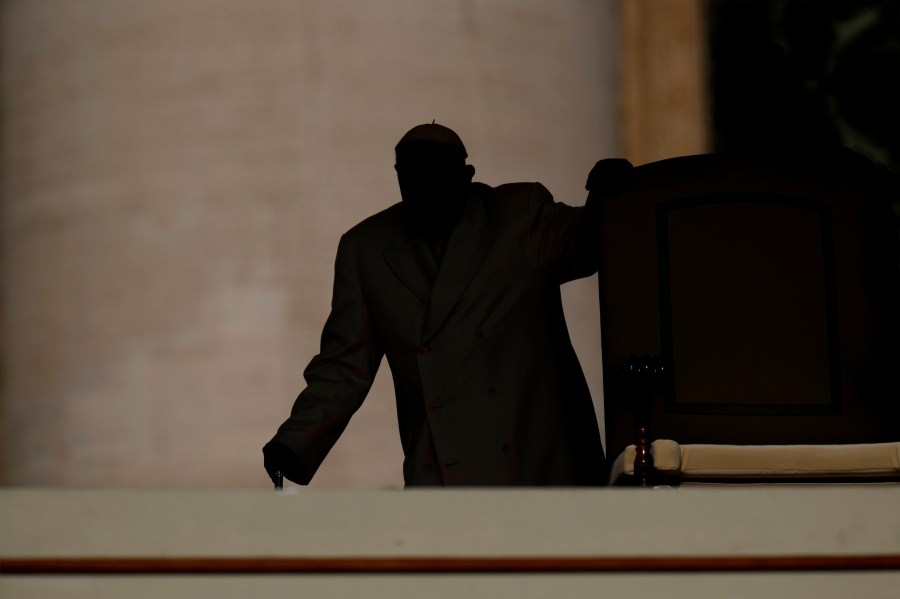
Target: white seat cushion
766,461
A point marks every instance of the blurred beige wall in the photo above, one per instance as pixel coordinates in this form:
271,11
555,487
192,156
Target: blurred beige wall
175,178
664,79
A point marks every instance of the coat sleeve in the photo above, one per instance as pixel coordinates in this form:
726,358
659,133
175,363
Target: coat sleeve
563,238
339,377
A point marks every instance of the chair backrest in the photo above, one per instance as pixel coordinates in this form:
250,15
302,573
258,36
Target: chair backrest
762,287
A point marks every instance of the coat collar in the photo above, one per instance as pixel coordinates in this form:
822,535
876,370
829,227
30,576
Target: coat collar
412,261
440,288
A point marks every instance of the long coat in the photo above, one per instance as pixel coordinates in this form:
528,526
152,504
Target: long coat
488,387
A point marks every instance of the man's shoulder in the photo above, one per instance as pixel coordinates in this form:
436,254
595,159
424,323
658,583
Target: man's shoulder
380,223
514,198
518,187
516,191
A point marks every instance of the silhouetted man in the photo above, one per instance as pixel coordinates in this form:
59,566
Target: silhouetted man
458,285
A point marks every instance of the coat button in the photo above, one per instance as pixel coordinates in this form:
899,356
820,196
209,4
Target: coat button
424,351
491,391
479,333
506,448
427,468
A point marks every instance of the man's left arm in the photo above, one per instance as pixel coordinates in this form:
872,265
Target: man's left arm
565,238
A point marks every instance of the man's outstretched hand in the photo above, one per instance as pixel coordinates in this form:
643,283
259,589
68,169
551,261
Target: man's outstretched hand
610,177
279,458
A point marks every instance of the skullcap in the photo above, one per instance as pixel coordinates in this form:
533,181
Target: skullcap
433,133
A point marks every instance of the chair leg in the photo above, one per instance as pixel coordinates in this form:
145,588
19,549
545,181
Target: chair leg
644,470
644,376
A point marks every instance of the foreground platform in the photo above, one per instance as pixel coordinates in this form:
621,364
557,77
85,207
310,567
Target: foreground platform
806,541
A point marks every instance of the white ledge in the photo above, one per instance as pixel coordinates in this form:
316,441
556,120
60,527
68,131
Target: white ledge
744,521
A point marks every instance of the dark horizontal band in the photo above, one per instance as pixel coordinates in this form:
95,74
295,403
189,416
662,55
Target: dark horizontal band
441,565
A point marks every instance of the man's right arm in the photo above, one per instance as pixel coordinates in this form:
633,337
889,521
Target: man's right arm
337,379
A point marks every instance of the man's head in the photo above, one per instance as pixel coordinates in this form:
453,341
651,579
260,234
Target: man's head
434,178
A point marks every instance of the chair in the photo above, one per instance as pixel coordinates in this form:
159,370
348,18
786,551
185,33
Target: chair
749,327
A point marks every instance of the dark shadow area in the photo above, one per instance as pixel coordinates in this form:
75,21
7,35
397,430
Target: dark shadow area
813,75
